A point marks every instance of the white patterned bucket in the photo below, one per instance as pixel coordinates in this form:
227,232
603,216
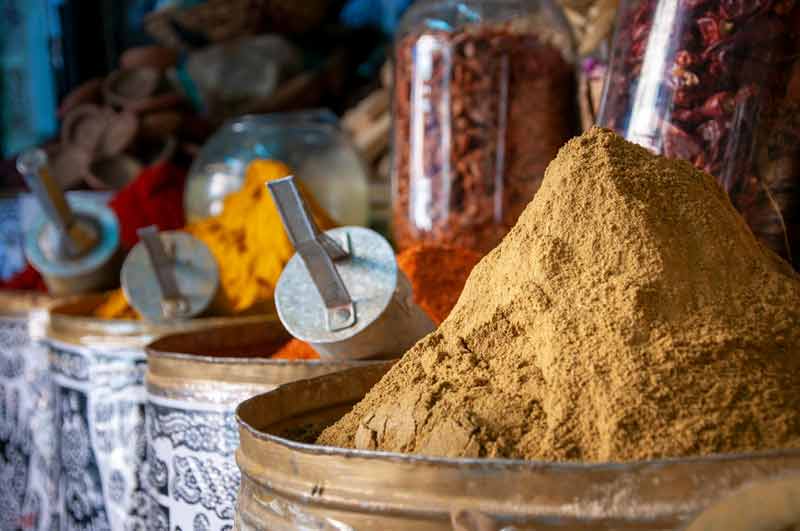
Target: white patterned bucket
27,440
98,368
194,383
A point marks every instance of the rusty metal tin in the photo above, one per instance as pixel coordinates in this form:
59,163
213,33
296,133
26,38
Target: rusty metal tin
290,485
762,506
98,368
194,383
27,442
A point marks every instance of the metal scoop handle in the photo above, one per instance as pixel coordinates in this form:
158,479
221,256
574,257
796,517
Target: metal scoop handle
318,252
32,164
173,303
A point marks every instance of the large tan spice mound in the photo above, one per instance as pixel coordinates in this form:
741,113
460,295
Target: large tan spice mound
630,314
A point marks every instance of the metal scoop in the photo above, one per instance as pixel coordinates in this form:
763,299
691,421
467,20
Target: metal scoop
73,243
169,276
342,292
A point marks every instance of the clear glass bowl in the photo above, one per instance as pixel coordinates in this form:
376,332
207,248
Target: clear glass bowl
311,143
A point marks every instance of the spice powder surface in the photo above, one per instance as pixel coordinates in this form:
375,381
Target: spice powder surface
630,314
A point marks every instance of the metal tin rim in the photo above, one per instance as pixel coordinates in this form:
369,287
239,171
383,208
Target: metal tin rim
197,358
20,303
313,449
69,322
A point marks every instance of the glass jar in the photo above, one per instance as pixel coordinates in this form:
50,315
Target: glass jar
310,142
717,83
483,98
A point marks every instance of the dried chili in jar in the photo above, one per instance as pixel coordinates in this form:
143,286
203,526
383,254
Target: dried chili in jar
484,96
717,82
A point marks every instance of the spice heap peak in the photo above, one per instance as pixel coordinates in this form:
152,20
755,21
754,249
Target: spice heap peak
630,314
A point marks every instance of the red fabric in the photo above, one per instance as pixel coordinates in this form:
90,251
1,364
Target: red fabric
154,198
26,280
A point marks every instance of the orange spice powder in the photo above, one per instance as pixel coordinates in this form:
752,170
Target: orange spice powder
437,274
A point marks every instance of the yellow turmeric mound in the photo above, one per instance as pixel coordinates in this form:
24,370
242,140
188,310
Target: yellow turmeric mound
249,243
116,307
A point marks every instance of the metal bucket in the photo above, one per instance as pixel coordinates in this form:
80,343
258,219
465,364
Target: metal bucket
27,448
290,485
194,383
98,369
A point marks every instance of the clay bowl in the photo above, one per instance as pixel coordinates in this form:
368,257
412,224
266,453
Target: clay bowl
160,102
156,150
83,127
158,57
99,130
160,124
137,90
122,88
68,164
87,92
120,132
113,173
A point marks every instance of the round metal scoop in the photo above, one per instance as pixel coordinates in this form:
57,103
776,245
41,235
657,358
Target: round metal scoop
73,243
169,276
343,292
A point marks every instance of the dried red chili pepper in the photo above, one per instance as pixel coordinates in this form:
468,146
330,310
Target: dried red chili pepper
685,58
724,100
734,9
720,104
479,112
710,30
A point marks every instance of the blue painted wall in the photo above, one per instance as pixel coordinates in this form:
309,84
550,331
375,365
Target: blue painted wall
28,29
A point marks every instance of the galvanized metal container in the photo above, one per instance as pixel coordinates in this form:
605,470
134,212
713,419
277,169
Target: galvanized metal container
291,485
98,368
27,442
194,383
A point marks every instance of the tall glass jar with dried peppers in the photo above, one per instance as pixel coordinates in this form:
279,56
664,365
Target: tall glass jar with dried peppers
717,82
484,96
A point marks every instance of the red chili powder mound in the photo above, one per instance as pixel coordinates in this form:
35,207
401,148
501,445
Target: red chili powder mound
296,350
437,274
154,198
